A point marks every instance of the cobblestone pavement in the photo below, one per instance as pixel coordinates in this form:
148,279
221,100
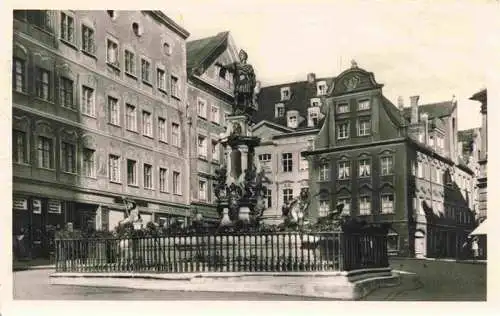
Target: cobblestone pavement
33,285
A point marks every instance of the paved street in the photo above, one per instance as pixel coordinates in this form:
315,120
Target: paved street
433,281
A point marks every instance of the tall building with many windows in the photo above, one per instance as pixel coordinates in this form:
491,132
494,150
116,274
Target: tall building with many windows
388,164
99,113
210,99
288,119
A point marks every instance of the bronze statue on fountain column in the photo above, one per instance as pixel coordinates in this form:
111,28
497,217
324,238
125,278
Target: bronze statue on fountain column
244,84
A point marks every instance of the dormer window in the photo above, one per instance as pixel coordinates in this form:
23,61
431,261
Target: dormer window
363,105
321,88
279,110
315,102
292,121
285,93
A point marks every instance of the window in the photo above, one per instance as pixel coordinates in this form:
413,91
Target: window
145,70
147,124
174,86
202,108
161,79
88,41
420,170
19,75
268,196
66,93
364,168
163,180
342,130
19,147
324,208
285,93
287,195
215,114
386,166
129,62
68,159
67,28
45,150
88,107
365,205
176,181
112,52
343,108
89,162
303,163
148,176
162,129
215,150
114,111
42,83
324,172
176,141
363,105
364,127
137,29
292,121
114,168
346,210
321,88
279,110
202,146
344,170
131,172
167,49
112,14
387,203
202,190
131,118
287,162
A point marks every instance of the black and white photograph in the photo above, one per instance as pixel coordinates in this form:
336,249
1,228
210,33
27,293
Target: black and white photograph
255,151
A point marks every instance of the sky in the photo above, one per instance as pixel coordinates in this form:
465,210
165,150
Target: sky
413,48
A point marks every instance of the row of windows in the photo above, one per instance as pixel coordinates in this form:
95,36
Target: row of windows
362,105
214,114
459,213
321,89
203,148
68,162
387,204
363,128
364,168
426,171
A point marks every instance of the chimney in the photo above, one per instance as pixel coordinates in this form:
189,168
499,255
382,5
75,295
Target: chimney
425,119
401,103
311,77
414,109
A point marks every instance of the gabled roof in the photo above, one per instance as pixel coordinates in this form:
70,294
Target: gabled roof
301,93
202,52
439,109
479,96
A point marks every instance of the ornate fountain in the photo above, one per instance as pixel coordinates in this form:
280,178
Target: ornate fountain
240,182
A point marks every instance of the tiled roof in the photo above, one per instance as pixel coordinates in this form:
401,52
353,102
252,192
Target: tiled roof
394,113
440,109
301,93
200,50
479,96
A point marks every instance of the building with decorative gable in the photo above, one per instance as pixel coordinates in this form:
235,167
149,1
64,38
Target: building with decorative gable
389,164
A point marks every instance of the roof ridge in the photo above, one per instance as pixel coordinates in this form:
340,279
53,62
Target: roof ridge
296,82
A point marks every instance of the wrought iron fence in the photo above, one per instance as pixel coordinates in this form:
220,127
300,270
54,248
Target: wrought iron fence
251,252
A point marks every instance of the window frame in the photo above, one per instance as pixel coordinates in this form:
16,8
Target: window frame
146,70
162,129
341,136
347,166
63,93
176,134
163,187
369,199
369,167
148,183
115,63
286,161
367,130
117,159
279,110
113,105
175,86
393,208
130,63
92,163
203,183
135,182
66,157
389,172
131,118
40,84
363,101
22,74
84,105
349,202
147,123
50,151
287,194
341,105
62,24
161,79
202,146
25,147
324,171
88,39
176,182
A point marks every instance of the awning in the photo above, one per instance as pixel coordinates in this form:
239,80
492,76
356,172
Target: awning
482,229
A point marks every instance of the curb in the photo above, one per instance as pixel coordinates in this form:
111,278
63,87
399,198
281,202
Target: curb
440,260
26,268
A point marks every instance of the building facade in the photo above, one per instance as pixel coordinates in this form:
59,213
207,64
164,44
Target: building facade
288,119
210,99
482,178
388,164
99,113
